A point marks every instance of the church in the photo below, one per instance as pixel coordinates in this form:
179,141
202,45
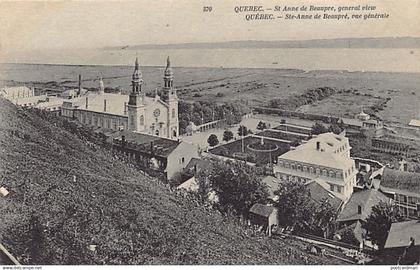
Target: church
134,112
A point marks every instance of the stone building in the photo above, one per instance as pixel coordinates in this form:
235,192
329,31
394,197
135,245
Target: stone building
325,157
134,112
16,92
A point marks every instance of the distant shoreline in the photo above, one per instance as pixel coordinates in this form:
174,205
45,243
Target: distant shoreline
230,68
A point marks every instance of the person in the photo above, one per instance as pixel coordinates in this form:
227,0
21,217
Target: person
412,244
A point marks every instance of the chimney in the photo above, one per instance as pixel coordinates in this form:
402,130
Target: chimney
123,141
79,91
104,105
125,108
87,102
318,146
152,146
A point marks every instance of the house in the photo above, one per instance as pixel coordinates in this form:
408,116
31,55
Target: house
414,123
402,245
320,194
14,93
196,165
327,157
404,188
264,216
358,209
158,154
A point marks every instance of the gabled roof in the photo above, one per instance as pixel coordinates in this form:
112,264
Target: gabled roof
262,210
367,199
400,233
320,193
189,185
414,123
198,163
408,181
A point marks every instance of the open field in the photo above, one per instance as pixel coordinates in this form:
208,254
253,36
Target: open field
67,193
252,86
344,104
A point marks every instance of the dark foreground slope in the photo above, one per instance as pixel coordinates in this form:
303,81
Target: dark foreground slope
51,218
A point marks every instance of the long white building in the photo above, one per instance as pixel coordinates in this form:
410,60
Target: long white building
135,112
325,157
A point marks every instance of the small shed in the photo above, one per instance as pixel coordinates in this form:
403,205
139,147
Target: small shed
265,216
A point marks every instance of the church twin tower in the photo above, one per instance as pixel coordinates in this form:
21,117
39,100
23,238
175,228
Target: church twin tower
154,116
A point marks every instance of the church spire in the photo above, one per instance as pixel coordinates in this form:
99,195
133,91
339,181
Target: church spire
168,74
137,78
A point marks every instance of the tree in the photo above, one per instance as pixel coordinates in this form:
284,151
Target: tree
336,129
297,209
261,125
213,140
379,222
318,128
227,135
236,184
242,131
295,142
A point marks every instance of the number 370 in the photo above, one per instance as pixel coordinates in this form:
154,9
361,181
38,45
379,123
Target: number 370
207,9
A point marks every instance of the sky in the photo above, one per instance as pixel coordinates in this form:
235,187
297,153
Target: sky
93,24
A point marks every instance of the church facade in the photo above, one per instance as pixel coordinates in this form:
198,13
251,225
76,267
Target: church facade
134,112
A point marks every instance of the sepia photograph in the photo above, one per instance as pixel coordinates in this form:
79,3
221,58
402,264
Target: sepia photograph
210,133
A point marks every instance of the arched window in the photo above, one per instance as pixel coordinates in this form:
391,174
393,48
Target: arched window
157,132
318,171
141,120
299,167
305,169
332,174
174,133
311,170
173,113
324,172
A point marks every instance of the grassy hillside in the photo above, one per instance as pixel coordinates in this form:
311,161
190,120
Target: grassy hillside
49,217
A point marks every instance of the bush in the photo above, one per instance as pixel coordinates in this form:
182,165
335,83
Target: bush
213,140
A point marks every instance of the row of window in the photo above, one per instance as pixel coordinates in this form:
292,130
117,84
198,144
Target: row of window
288,177
406,199
316,171
101,121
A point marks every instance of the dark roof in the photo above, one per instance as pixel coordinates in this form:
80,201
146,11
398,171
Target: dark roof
408,181
143,142
367,199
400,233
320,195
200,164
262,210
272,183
